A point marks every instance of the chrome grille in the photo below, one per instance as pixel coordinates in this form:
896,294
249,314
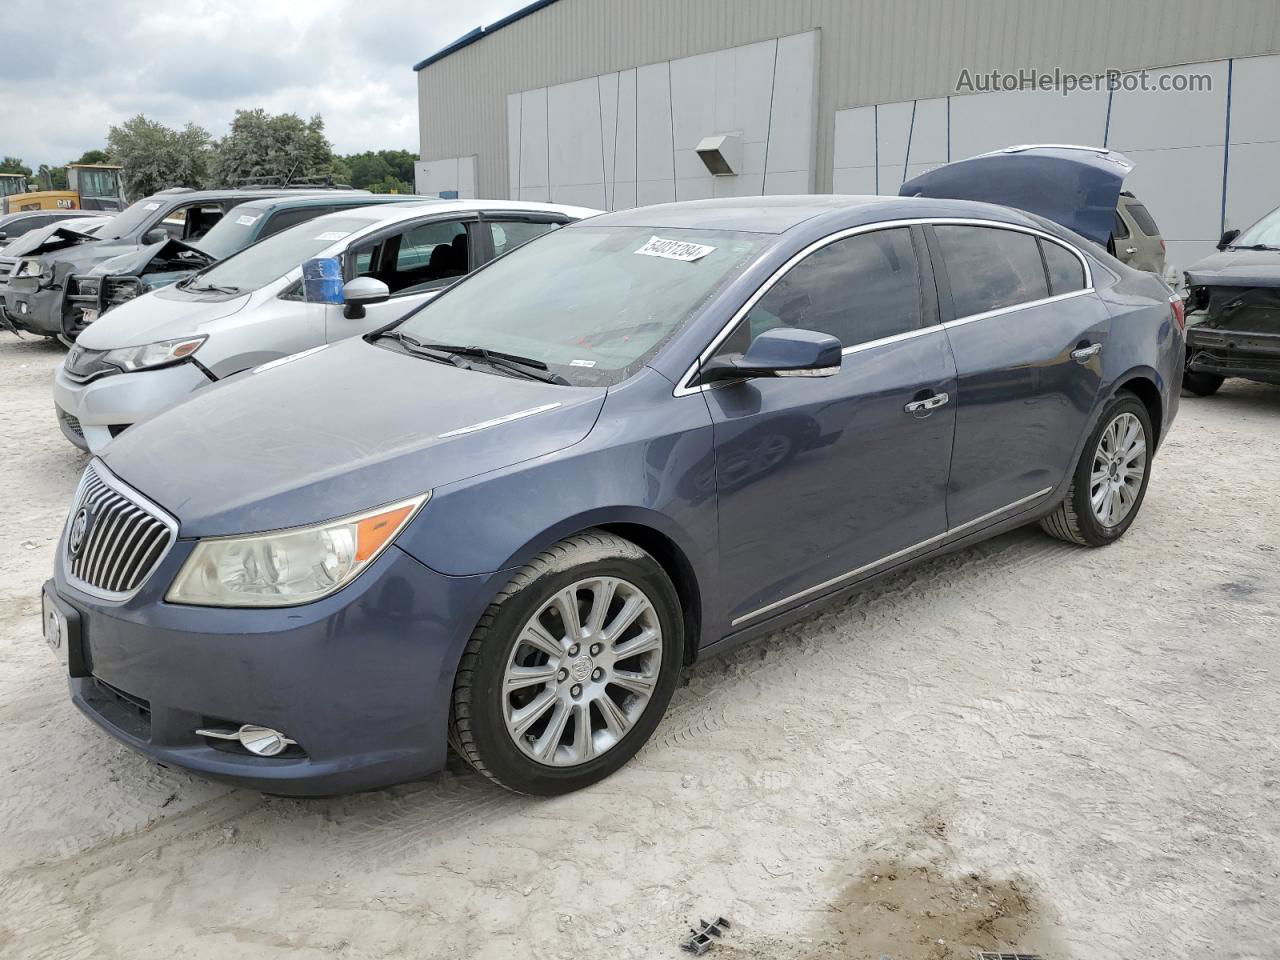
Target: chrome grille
83,364
122,536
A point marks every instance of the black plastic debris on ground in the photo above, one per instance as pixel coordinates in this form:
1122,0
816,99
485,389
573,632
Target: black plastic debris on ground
704,935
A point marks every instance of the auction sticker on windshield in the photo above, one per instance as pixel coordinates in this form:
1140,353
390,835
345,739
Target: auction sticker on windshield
674,249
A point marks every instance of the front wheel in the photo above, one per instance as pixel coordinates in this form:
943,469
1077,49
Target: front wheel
571,667
1110,480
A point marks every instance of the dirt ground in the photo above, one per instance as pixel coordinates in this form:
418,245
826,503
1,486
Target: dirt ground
1027,745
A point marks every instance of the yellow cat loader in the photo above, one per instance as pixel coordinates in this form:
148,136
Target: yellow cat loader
91,186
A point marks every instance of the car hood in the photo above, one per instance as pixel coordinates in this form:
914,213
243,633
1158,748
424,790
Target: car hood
1075,187
338,430
1237,268
33,243
162,315
167,255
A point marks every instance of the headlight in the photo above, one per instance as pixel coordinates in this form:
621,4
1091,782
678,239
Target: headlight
29,267
290,566
153,354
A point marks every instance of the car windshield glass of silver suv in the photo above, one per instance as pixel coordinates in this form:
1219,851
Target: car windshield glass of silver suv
272,258
592,303
123,224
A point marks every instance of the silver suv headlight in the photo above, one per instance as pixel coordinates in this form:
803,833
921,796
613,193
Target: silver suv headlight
153,354
29,267
289,566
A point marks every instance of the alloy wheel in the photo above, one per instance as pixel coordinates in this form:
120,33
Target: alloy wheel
583,669
1119,463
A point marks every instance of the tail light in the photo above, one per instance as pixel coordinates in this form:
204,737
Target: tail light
1179,312
1163,248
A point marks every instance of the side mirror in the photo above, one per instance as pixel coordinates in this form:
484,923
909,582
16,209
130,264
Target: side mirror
781,352
1227,238
155,235
362,292
4,235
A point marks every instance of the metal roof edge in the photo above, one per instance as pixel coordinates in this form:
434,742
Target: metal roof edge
480,32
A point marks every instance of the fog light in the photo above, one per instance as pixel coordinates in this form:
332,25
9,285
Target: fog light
262,741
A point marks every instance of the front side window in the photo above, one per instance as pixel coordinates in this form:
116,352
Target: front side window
1065,271
858,289
593,303
1120,229
990,268
425,256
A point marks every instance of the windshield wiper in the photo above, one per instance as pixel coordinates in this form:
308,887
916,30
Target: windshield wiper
213,288
1252,246
526,367
427,351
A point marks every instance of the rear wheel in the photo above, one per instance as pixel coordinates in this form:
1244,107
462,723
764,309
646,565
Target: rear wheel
571,667
1110,480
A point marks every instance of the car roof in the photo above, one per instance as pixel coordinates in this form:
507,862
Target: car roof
61,214
184,194
347,197
395,212
779,214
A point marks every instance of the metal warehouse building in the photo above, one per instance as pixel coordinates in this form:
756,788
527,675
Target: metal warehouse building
605,103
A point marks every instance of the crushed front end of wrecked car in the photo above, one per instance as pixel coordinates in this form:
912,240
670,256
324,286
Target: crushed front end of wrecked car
1233,316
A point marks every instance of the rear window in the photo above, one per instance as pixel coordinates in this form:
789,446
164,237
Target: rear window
1143,219
991,268
1065,271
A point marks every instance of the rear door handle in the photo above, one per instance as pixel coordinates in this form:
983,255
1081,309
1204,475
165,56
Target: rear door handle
1085,354
1130,249
922,408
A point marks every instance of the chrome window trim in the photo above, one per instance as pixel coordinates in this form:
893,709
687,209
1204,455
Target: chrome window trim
685,387
109,479
884,561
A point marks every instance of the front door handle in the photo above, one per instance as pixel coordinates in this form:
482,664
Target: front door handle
1130,249
922,408
1086,353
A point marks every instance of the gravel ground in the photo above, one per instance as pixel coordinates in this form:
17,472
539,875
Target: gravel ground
1026,744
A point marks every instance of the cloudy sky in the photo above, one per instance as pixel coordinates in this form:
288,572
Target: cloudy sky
201,60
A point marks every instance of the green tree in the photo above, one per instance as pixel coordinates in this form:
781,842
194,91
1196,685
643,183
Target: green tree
14,165
261,145
93,156
390,185
156,157
379,166
52,178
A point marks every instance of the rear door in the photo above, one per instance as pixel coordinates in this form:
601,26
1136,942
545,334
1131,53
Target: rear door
1027,334
1141,247
824,479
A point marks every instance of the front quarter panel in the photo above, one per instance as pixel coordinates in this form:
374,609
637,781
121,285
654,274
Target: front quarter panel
648,461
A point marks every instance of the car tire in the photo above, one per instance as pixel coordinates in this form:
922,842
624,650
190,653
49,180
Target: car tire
579,675
1202,384
1080,517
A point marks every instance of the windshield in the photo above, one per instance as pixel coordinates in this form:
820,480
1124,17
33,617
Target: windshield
275,256
132,217
1265,232
592,303
231,234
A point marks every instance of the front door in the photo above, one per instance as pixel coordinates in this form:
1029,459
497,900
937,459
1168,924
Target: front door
1027,337
823,480
416,261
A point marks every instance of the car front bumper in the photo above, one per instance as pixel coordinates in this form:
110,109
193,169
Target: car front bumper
1231,353
91,413
361,680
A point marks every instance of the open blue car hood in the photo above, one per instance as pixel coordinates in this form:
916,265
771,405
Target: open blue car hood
1077,187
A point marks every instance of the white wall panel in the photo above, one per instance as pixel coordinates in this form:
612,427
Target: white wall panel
456,175
1253,175
622,139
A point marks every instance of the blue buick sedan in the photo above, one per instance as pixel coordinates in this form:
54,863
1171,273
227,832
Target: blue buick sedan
509,520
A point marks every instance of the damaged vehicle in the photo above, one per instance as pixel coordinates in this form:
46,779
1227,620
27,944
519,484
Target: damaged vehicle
1080,187
475,527
15,225
365,267
35,269
130,275
1233,310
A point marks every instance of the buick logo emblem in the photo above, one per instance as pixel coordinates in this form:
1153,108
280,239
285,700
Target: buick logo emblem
79,531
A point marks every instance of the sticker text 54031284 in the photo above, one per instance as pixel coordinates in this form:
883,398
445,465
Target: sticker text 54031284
674,249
